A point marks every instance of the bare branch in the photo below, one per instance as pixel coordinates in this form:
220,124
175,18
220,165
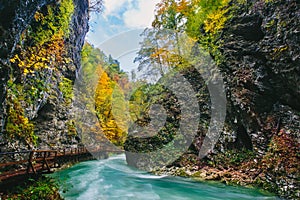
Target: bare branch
95,6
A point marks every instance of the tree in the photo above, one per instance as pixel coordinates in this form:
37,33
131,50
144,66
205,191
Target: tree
206,17
171,14
148,57
108,93
95,6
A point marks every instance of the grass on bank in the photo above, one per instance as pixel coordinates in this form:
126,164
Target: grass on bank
38,188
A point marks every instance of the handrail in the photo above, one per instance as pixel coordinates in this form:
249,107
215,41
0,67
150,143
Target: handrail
17,152
37,160
40,160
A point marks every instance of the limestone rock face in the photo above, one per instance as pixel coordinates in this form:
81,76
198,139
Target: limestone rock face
15,16
54,119
262,68
262,75
50,112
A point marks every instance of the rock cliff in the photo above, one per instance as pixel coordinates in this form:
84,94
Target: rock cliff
261,48
41,42
262,74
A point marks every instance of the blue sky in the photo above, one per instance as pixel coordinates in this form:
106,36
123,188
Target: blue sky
119,16
116,31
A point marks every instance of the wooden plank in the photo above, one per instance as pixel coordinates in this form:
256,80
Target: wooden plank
11,174
13,163
38,159
42,151
12,153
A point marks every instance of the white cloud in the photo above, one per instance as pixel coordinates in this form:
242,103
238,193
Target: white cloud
142,16
120,16
112,6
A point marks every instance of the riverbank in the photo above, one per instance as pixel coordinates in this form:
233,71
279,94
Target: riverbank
228,176
36,187
243,169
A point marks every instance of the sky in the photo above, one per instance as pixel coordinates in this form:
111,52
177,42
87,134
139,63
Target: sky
116,30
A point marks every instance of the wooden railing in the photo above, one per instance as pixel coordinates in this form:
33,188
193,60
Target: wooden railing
37,161
42,161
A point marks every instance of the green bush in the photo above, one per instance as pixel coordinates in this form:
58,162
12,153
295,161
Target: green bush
66,87
52,19
42,188
231,158
18,126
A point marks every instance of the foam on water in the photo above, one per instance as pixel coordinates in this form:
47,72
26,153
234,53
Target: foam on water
112,179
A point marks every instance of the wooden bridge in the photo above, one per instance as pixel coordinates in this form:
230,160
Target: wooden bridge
43,161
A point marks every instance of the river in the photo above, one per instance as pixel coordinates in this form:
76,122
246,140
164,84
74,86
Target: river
112,179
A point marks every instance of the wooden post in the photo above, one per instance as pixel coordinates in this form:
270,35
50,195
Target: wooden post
44,158
45,161
30,165
55,160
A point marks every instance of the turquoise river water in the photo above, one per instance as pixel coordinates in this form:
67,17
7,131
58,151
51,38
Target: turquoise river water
112,179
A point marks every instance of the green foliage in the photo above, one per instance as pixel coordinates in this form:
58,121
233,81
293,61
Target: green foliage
138,104
243,2
42,43
52,19
40,52
91,58
107,92
18,126
71,128
170,14
231,158
91,55
207,15
36,189
66,87
163,51
205,23
163,47
142,99
270,1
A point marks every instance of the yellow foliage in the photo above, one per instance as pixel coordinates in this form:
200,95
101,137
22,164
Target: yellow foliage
112,122
42,56
38,16
18,126
215,21
43,43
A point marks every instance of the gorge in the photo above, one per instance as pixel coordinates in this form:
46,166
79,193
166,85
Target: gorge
254,44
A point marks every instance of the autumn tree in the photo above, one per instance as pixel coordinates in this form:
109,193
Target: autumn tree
171,14
107,93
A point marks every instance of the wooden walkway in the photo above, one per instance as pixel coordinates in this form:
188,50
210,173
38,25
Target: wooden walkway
42,161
